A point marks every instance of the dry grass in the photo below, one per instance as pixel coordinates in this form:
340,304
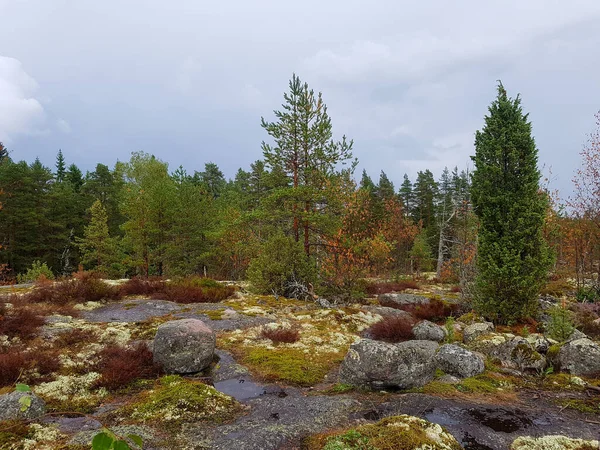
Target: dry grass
387,287
279,335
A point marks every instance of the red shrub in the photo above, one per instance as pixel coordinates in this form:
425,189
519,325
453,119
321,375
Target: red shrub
287,335
434,310
142,286
392,329
73,337
21,322
181,293
386,287
119,366
86,287
44,362
12,363
455,289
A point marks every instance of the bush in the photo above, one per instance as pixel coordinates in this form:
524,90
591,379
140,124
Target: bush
36,271
20,322
590,294
585,316
194,294
86,287
12,364
278,335
392,329
281,262
142,286
386,287
120,366
435,310
561,325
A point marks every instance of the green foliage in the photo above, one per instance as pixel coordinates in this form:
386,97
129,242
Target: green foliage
588,294
281,262
561,325
107,440
37,270
451,334
512,256
420,253
350,440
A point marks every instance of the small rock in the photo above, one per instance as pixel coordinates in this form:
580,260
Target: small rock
429,331
323,303
579,357
10,408
385,311
380,365
402,299
552,442
459,361
184,346
449,379
476,329
539,342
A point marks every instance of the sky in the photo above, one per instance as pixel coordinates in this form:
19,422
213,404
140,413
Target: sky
189,80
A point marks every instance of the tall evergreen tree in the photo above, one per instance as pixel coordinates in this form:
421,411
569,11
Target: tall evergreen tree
366,182
512,256
61,167
75,177
406,194
3,153
98,250
385,188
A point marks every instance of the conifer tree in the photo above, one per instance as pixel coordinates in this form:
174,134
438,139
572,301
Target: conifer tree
512,256
61,168
406,194
97,248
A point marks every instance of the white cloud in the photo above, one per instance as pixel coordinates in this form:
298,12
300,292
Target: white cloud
63,126
20,112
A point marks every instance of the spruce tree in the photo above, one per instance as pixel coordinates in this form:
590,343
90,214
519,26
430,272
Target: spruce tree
406,194
97,248
512,256
61,167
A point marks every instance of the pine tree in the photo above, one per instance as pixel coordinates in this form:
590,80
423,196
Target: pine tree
75,177
512,256
97,248
366,182
385,188
3,153
407,196
61,168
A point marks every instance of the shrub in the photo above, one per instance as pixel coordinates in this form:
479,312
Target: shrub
434,310
86,287
278,335
20,322
12,364
392,329
186,293
282,261
142,286
119,366
561,325
589,294
386,287
36,271
73,337
556,288
585,316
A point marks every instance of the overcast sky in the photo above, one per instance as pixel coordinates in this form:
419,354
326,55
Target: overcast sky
188,80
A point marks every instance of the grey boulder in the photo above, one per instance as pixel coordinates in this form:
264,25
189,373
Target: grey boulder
579,357
429,331
398,300
458,361
184,346
12,409
379,365
471,332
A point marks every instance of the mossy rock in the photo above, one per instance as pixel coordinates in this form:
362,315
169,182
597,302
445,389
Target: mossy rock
175,400
397,432
553,442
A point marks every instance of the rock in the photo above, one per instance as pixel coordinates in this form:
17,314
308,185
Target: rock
579,357
10,408
385,311
512,351
449,379
398,300
553,442
429,331
381,365
323,303
476,329
539,342
459,361
184,346
575,335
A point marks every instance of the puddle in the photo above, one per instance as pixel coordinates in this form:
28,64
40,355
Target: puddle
470,443
241,388
500,419
440,417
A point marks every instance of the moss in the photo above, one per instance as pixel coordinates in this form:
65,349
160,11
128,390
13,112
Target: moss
292,365
469,318
175,400
216,314
339,388
438,388
587,405
553,351
398,432
485,383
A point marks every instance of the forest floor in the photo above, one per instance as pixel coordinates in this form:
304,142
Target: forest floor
283,392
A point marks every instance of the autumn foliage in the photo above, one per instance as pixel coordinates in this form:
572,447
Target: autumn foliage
392,329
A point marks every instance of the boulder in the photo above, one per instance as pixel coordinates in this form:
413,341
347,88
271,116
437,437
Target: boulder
512,351
557,442
429,331
379,365
184,346
539,342
458,361
385,311
575,335
399,300
476,329
12,409
579,357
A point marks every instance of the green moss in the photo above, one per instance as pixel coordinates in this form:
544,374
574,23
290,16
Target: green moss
438,388
289,364
340,388
553,351
175,400
469,318
587,405
216,314
398,432
484,383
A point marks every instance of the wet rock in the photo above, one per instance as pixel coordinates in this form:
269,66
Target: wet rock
579,357
381,365
402,299
429,331
184,346
552,442
459,361
471,332
11,408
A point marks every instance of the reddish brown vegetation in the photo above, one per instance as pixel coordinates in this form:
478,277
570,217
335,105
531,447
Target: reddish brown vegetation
434,310
194,294
86,287
15,361
392,329
286,335
19,322
12,363
73,337
387,287
455,289
142,286
119,366
586,317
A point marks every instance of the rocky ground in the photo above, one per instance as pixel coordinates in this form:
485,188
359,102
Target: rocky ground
271,395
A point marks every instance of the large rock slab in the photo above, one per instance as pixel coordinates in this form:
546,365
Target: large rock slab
11,408
429,331
459,361
184,346
579,357
471,332
379,365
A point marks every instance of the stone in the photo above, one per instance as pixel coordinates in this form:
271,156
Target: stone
458,361
10,408
575,335
449,379
323,303
579,357
429,331
402,299
379,365
552,442
539,342
513,351
184,346
471,332
385,311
